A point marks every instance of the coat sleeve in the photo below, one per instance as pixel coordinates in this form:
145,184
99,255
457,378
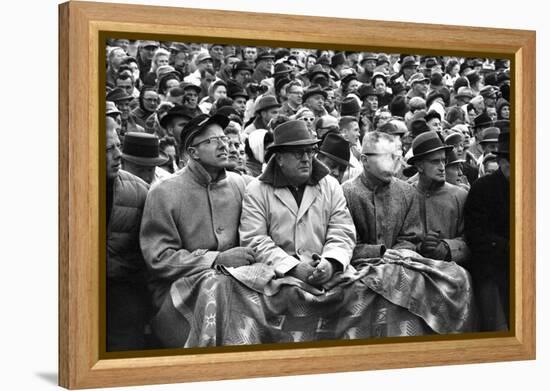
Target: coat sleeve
340,238
160,240
460,253
411,232
253,231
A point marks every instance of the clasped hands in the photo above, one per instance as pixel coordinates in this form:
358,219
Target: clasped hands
315,271
236,256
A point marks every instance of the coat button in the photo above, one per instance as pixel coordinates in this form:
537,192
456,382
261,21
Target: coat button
219,230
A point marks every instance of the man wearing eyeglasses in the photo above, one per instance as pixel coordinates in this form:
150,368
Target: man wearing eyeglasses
190,220
384,209
294,92
441,204
295,215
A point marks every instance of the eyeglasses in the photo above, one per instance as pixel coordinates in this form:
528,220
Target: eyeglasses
210,140
152,100
308,119
299,153
296,93
394,156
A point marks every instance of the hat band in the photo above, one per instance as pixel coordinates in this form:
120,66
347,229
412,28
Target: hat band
147,151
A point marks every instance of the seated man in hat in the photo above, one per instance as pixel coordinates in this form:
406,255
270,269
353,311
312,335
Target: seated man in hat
441,207
128,308
295,215
418,84
264,66
190,222
487,227
384,209
173,121
122,101
314,99
334,153
489,144
349,129
141,157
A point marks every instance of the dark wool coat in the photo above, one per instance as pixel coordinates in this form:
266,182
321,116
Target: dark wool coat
385,216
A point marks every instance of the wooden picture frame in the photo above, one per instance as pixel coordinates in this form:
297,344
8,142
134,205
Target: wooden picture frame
81,364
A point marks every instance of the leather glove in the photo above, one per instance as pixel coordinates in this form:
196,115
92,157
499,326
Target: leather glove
434,248
236,256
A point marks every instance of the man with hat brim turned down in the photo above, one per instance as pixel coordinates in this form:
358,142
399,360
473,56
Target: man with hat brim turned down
334,153
128,299
122,101
487,227
174,120
314,99
264,66
140,156
190,224
294,215
267,107
384,209
489,144
418,84
441,204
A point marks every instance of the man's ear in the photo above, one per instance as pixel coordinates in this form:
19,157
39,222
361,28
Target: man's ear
278,159
193,153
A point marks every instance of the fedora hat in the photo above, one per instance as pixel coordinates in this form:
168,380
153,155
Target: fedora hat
111,108
202,56
350,106
281,69
433,95
314,90
489,135
366,90
118,95
235,90
292,134
266,102
142,149
198,124
483,120
431,115
242,66
336,148
464,92
417,78
190,86
426,143
177,111
317,69
368,56
265,55
489,92
408,62
454,137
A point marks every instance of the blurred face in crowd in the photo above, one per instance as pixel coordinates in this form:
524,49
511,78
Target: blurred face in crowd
172,83
180,59
505,112
116,56
239,104
124,107
408,72
207,80
328,124
310,61
176,126
211,153
316,102
294,95
336,170
379,86
296,163
421,87
369,65
309,118
351,132
434,124
122,43
454,174
220,92
126,84
455,70
243,77
382,159
162,60
489,147
250,54
234,145
230,61
353,86
114,153
217,52
191,98
147,52
205,64
432,167
194,48
492,112
372,101
329,102
266,65
229,50
135,69
150,100
269,114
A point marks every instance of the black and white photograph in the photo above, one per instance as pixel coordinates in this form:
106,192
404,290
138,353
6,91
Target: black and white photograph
267,195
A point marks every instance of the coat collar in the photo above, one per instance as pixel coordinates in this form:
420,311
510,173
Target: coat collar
373,183
201,176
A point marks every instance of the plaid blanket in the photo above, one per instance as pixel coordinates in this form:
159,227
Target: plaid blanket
249,305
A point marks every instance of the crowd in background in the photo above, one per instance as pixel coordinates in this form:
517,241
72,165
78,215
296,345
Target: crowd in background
446,119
